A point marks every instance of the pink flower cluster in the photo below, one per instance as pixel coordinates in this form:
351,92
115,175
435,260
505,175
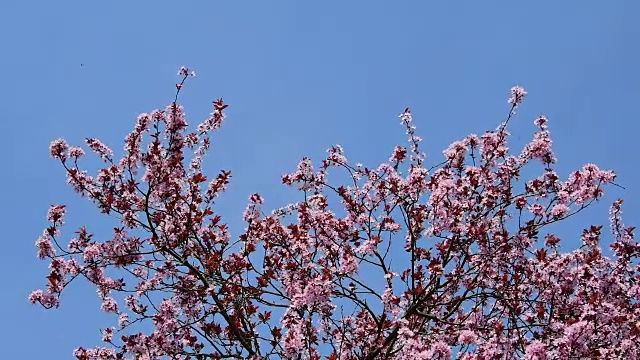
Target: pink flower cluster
403,261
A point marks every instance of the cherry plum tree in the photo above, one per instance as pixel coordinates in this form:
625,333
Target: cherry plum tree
400,261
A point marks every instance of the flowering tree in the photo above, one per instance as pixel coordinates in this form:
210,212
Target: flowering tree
408,261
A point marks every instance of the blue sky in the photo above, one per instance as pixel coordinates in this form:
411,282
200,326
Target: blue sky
300,77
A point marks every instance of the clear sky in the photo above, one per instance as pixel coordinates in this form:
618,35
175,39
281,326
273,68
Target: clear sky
300,76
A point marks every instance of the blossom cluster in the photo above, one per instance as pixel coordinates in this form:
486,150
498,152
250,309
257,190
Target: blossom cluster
403,261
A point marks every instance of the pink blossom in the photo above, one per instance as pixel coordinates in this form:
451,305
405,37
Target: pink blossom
349,264
559,211
92,251
456,153
184,71
336,155
537,209
56,214
369,245
109,305
123,319
45,247
58,149
47,300
539,148
176,123
76,152
95,354
99,148
536,351
541,122
212,123
440,351
399,155
517,95
107,334
252,211
467,337
35,296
